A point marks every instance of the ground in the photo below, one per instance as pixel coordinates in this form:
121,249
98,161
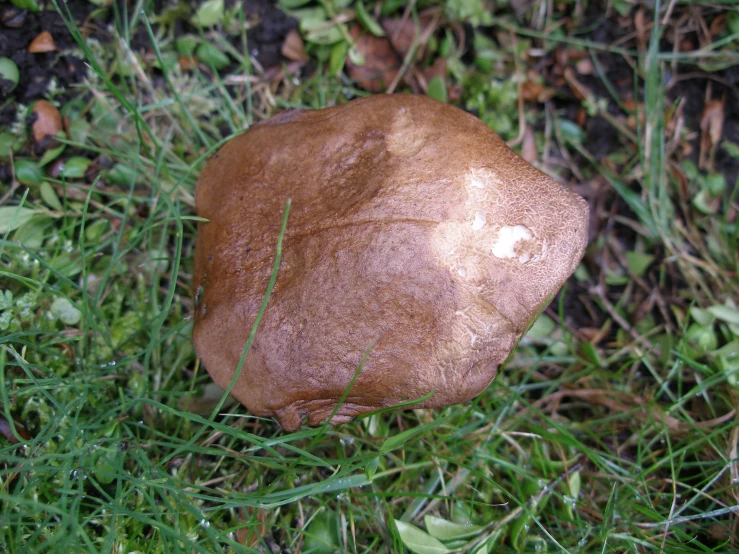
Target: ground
613,428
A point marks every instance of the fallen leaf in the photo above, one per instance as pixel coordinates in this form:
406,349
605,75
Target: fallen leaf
536,92
187,63
438,69
48,120
718,25
381,63
43,42
712,126
402,33
251,535
7,432
294,48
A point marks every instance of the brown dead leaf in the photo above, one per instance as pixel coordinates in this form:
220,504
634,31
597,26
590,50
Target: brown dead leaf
437,69
251,535
48,120
536,92
718,25
7,432
43,42
593,335
712,126
187,63
294,48
402,33
454,93
381,63
529,151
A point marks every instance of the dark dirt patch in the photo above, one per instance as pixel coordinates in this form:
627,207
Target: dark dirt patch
36,70
266,38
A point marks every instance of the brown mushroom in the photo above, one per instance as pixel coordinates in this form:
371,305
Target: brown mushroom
415,235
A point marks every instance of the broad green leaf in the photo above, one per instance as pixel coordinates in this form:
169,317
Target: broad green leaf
519,531
338,57
400,439
371,468
48,195
725,313
732,148
715,183
322,537
65,311
542,328
445,530
209,13
8,143
6,300
186,45
327,36
292,4
575,484
705,203
79,129
122,174
703,338
9,72
638,262
570,130
28,172
419,541
732,21
437,88
704,317
75,167
52,153
12,217
30,5
310,18
95,231
211,55
728,357
484,549
367,21
32,233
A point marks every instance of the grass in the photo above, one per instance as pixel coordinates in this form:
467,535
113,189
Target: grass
613,429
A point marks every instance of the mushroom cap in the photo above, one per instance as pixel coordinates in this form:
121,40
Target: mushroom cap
415,234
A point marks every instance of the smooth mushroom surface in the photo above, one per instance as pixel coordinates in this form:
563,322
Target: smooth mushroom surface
415,234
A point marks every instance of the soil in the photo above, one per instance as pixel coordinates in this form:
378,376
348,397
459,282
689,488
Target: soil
266,38
17,29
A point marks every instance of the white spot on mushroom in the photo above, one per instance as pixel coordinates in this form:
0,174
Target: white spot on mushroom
477,183
479,221
462,272
508,237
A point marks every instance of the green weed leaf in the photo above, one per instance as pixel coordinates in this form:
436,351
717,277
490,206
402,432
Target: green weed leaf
437,89
725,313
367,21
65,311
445,530
12,217
419,541
209,13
